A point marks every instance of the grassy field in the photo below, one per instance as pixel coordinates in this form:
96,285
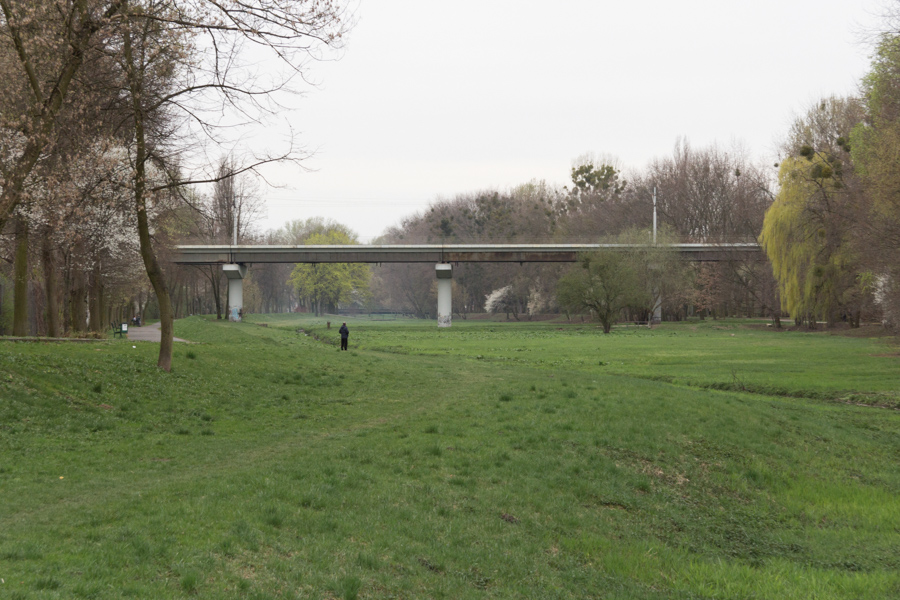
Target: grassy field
490,460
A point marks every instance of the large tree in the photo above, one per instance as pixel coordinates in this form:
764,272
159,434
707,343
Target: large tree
708,194
43,47
637,276
876,154
598,203
329,284
227,216
809,230
173,62
168,91
811,257
603,283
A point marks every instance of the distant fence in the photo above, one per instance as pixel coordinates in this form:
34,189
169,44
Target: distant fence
386,315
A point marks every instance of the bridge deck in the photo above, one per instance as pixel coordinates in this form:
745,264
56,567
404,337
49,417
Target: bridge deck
438,253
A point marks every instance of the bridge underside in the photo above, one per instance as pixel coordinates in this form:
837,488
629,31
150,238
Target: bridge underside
455,253
235,258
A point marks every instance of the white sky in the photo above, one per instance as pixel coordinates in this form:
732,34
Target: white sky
432,99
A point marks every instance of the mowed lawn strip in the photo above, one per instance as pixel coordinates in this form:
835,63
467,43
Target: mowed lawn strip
270,465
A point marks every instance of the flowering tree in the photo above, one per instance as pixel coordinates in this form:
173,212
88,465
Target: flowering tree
165,65
80,209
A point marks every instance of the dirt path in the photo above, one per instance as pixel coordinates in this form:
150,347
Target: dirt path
147,333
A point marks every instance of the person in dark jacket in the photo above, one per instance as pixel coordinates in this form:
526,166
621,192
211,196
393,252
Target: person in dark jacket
345,334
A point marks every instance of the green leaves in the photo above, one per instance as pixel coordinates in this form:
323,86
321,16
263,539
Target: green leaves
820,171
596,179
608,282
805,241
326,283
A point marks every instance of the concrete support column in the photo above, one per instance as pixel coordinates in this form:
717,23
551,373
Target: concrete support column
444,293
235,275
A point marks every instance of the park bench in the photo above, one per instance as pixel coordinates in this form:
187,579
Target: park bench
119,330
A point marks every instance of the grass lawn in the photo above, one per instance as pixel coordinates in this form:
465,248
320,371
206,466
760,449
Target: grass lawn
488,460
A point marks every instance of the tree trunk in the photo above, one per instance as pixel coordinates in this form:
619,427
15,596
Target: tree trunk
216,289
176,295
148,255
142,306
65,309
157,279
105,313
77,301
95,318
51,284
20,293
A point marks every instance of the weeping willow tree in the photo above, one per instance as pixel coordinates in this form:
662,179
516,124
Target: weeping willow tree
806,239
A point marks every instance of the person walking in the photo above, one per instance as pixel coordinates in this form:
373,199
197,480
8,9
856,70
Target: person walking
345,334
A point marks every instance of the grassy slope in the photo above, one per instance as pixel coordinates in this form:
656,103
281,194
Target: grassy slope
269,465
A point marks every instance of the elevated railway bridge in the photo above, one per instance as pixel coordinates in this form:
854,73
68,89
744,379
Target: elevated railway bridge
235,259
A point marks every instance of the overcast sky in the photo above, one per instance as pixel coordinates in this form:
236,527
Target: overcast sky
432,99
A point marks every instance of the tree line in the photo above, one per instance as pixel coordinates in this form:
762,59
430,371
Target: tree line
107,103
103,105
711,195
833,229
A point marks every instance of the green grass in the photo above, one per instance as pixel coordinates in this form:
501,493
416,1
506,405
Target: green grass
729,354
488,460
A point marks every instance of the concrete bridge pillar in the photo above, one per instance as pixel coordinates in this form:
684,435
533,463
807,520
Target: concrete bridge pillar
444,275
235,275
656,317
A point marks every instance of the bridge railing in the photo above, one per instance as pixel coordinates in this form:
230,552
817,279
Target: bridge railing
440,253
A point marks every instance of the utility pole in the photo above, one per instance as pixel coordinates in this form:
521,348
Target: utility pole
656,317
235,223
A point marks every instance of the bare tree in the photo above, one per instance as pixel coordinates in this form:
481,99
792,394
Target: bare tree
708,194
228,216
166,85
156,40
235,205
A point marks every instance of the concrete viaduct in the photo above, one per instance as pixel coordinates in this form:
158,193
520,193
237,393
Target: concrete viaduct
235,259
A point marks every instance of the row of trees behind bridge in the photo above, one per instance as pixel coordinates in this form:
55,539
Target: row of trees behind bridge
89,258
707,194
104,100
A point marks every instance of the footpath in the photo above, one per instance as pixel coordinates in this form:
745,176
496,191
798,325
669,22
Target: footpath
147,333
